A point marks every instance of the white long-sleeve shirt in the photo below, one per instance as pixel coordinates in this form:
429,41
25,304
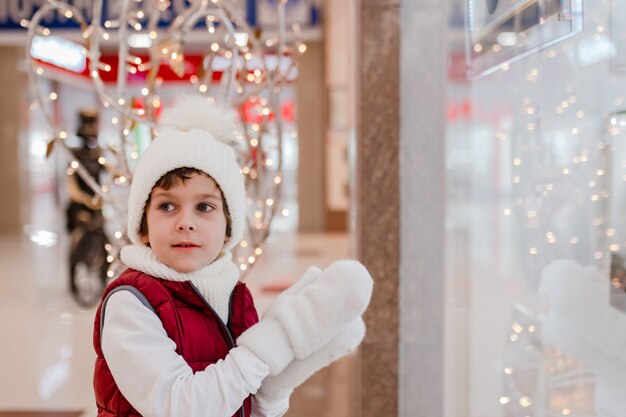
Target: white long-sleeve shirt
159,383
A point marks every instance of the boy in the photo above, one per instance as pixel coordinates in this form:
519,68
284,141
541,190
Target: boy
177,334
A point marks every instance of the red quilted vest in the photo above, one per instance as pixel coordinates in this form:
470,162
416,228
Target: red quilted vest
200,335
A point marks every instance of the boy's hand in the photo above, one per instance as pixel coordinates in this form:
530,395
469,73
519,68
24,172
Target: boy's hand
280,386
305,318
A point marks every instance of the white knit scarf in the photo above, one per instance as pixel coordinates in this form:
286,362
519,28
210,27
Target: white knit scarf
215,282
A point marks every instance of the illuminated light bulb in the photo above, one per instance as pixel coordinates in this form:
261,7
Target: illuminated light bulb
211,29
530,110
256,127
269,202
504,67
153,35
250,77
121,101
118,234
105,36
254,142
524,401
533,251
566,171
228,54
140,14
174,55
285,212
265,111
559,109
251,259
517,161
277,180
258,214
507,211
550,237
583,158
257,73
269,162
215,47
63,134
614,247
105,189
504,400
247,56
531,328
243,267
610,232
53,96
245,170
108,247
69,14
110,273
126,132
144,91
203,88
598,255
565,411
580,114
508,371
600,172
134,155
244,244
513,338
46,31
39,71
258,251
595,197
24,23
517,328
564,104
69,171
302,48
141,112
110,259
137,26
102,160
573,240
114,120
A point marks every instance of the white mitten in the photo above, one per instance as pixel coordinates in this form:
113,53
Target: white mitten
281,385
306,318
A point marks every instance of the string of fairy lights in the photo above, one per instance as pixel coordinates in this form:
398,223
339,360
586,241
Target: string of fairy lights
241,67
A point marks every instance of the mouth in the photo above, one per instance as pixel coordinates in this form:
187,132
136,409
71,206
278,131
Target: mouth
185,245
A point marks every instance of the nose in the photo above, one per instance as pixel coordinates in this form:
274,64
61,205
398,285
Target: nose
185,222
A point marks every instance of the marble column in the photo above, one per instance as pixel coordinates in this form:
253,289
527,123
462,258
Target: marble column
400,205
13,112
312,115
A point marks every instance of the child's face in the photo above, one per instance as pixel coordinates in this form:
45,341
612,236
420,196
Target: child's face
186,223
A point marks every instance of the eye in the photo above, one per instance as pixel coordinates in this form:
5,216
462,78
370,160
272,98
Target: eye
205,207
166,207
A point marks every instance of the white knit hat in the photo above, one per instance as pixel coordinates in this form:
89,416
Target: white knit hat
193,134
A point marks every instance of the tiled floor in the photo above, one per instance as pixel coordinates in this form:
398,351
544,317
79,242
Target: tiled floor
46,354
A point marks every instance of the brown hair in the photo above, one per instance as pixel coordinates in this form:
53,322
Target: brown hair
168,180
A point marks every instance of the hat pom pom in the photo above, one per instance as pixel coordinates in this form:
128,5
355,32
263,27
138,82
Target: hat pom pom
194,112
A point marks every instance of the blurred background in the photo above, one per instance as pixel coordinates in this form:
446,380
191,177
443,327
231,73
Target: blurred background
471,153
